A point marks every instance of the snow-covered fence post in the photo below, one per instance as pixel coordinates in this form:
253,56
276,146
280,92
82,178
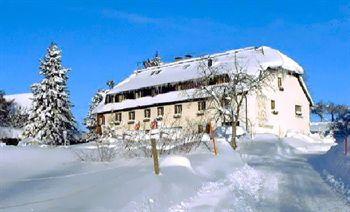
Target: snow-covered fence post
346,145
155,156
212,137
154,126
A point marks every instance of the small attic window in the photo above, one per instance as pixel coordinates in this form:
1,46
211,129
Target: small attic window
156,72
210,62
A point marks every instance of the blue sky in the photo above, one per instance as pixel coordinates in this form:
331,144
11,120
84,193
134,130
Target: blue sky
103,40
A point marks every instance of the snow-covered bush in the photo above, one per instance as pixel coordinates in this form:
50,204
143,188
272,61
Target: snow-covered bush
170,140
102,150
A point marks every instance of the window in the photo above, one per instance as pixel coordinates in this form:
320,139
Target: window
132,115
101,120
201,105
273,105
280,85
160,111
200,129
118,98
108,99
298,111
138,94
178,109
147,113
118,117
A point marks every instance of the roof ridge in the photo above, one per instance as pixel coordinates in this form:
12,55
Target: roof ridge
183,61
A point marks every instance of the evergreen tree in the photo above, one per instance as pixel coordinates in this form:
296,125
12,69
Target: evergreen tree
91,119
5,110
51,120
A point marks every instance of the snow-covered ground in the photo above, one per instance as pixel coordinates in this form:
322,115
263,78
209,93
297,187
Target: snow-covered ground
266,174
335,167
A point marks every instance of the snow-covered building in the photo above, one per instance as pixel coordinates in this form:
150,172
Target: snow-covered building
11,135
163,92
21,101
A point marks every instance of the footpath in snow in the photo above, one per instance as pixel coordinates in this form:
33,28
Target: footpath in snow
266,174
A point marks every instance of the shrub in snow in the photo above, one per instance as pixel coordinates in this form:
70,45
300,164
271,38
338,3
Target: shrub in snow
103,150
138,143
104,147
51,120
170,140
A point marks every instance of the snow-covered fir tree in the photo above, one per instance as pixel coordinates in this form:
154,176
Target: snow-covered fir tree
51,120
91,119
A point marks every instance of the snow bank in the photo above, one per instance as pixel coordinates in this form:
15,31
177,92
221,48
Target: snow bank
335,163
176,161
31,159
312,144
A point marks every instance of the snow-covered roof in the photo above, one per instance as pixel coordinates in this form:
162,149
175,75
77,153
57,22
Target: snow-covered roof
175,96
23,100
253,59
10,132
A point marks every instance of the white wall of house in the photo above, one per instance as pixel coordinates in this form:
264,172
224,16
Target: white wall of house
283,118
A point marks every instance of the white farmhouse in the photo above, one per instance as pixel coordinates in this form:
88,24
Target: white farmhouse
162,92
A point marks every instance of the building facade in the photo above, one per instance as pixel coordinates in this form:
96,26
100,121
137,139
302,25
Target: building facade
164,94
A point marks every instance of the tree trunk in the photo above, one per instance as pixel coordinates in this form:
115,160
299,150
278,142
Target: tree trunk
234,132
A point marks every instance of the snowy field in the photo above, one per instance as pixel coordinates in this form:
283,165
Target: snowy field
266,174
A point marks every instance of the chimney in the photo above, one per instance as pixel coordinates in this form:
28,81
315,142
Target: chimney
178,59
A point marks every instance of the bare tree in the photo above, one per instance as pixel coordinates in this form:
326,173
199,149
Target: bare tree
227,87
342,126
320,109
336,110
